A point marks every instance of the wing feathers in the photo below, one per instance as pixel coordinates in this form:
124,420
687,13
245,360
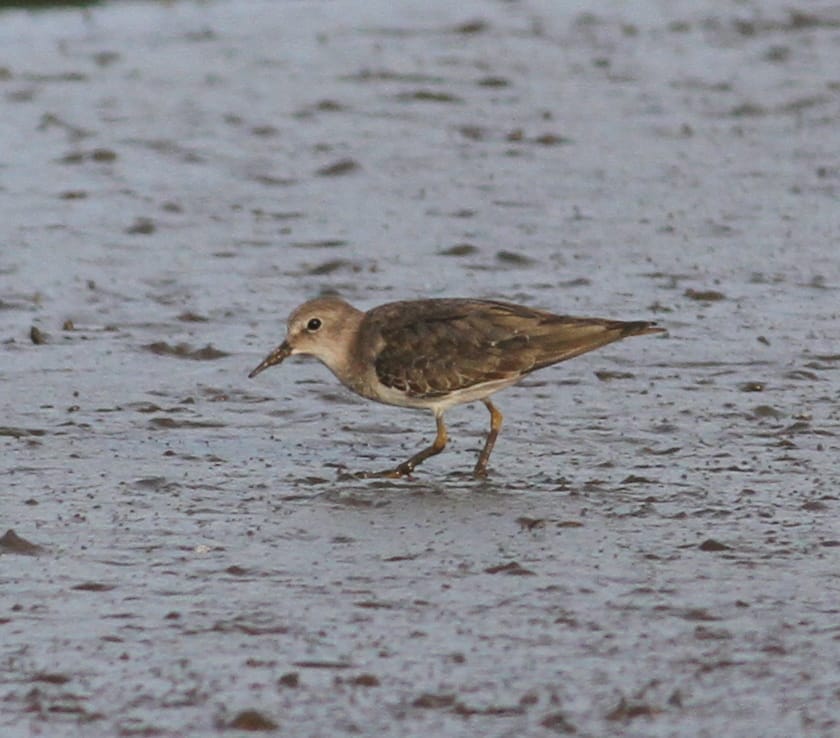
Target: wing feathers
433,347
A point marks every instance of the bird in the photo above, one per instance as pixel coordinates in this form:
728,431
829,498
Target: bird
433,354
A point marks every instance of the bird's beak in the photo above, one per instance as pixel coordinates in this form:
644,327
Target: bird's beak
275,357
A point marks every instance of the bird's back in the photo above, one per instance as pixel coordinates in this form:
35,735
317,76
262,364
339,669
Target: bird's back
429,348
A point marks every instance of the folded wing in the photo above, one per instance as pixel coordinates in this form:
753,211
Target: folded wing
449,345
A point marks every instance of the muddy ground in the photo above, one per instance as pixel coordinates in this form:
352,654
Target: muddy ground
657,549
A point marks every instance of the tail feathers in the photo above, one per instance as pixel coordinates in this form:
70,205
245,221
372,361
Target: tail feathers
580,337
637,328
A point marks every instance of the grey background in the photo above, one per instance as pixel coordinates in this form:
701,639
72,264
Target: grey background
656,550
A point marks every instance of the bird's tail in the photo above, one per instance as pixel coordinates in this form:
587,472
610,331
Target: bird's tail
576,336
638,328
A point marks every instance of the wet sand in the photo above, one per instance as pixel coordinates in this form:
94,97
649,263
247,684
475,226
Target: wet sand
656,551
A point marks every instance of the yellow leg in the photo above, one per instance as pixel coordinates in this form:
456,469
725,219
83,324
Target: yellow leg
495,426
441,438
405,469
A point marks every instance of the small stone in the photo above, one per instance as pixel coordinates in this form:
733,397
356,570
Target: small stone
339,168
710,544
37,336
251,720
290,680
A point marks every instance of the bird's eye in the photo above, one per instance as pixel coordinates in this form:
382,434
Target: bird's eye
313,325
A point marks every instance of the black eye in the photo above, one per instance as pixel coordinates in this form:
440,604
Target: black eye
313,325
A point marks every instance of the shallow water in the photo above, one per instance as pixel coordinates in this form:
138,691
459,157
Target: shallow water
656,550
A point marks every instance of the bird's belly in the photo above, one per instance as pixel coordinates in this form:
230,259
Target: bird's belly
438,402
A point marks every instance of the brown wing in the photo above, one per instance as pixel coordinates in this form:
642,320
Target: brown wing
432,347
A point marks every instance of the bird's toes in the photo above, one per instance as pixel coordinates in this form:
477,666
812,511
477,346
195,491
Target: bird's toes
397,473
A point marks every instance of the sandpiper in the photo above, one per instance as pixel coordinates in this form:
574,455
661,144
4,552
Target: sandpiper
435,354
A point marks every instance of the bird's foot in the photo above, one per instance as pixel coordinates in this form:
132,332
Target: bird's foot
399,472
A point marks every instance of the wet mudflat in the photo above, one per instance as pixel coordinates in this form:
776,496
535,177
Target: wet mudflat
656,551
